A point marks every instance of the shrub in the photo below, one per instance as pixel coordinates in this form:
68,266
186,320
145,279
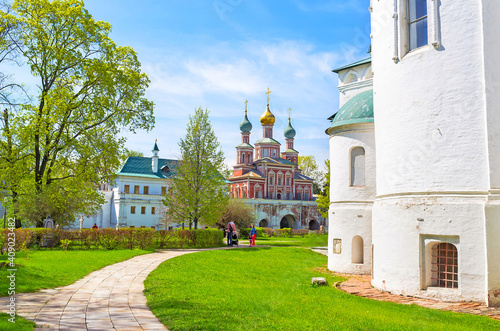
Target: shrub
286,232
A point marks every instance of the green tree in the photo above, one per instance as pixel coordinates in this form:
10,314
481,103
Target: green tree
240,213
88,89
323,200
198,192
310,168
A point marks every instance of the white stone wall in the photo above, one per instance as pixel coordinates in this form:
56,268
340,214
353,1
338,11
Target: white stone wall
364,81
350,207
491,44
299,213
436,159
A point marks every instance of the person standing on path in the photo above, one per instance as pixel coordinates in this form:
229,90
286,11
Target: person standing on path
231,228
253,232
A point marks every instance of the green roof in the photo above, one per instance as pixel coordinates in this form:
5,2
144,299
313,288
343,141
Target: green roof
267,141
359,109
289,131
290,150
244,145
352,65
141,167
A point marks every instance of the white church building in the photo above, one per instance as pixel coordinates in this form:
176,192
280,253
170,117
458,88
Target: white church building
415,153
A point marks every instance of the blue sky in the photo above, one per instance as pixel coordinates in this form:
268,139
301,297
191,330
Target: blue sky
218,53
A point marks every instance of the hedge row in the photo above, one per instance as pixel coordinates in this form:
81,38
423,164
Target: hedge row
267,232
126,238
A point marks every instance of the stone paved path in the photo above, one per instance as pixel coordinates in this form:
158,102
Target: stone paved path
107,299
361,286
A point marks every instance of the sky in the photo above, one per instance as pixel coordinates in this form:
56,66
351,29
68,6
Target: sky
216,54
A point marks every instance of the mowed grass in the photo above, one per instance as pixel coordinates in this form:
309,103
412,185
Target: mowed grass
270,289
48,269
20,324
310,240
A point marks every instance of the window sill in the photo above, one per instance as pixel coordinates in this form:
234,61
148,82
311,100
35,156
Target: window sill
417,51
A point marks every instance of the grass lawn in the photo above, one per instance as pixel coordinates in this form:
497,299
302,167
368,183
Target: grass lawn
49,269
310,240
269,289
21,324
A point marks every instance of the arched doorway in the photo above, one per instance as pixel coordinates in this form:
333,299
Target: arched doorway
288,221
278,196
357,254
263,223
284,223
313,225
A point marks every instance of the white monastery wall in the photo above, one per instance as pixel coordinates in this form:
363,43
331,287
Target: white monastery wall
350,206
491,30
363,81
430,105
434,154
402,262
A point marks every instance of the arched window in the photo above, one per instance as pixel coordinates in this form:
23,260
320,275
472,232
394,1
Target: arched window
242,158
357,254
445,265
263,223
358,166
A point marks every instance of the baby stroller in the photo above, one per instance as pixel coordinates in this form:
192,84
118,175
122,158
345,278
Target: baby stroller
235,238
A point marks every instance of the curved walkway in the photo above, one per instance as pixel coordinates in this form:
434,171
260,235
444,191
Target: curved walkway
360,285
107,299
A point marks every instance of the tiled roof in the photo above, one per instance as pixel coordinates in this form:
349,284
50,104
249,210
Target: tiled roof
301,176
276,160
141,167
244,145
267,141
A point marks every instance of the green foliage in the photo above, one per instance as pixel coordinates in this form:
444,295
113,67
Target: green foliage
56,148
239,212
323,200
309,240
66,243
111,239
271,291
54,268
198,192
310,168
286,233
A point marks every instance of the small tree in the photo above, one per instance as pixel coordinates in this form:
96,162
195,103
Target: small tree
198,191
323,200
310,168
239,212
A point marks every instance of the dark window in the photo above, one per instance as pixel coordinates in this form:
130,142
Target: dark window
417,23
136,189
153,210
127,188
146,189
143,210
132,209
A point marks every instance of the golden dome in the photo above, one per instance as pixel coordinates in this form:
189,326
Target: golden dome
267,117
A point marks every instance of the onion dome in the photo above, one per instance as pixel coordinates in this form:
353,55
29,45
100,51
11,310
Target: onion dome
289,131
245,125
267,117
